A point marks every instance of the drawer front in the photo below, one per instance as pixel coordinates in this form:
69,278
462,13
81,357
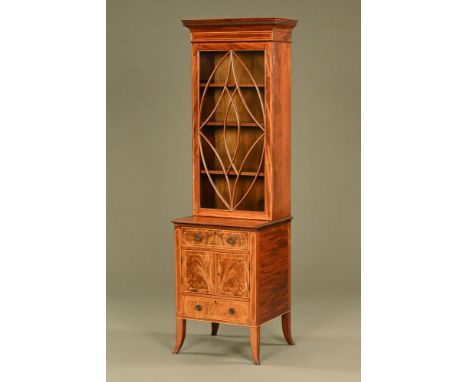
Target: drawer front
216,309
215,238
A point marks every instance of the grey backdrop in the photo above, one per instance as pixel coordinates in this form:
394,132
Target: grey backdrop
149,143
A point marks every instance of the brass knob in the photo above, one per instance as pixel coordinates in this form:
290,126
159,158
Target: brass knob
197,237
231,240
198,307
232,311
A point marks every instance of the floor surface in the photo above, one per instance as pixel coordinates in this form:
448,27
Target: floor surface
326,329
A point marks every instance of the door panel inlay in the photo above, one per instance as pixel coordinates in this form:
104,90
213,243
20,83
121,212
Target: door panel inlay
197,271
232,273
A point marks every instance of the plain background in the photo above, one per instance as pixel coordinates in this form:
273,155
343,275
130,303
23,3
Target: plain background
149,183
52,199
149,177
149,138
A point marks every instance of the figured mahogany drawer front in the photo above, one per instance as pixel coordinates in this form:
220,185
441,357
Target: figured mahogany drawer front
216,309
215,238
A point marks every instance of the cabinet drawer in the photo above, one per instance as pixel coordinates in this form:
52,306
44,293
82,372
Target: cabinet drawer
215,238
216,309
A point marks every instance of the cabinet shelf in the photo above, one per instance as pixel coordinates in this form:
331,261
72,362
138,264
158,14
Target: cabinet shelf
232,123
232,173
219,85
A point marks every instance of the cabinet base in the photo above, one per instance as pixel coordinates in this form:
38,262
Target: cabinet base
254,335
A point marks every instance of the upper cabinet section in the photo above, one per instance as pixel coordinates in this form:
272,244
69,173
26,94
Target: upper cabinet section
246,29
241,117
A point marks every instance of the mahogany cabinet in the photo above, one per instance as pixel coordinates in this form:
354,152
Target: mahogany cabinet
233,257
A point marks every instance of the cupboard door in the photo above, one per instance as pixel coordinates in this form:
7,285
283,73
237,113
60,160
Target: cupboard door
197,272
232,273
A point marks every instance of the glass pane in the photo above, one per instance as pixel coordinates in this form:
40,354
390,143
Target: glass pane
232,130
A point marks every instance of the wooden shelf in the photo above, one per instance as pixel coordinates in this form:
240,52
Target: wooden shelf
229,222
231,123
232,173
213,85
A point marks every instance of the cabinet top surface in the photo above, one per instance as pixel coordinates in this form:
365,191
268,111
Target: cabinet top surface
265,21
228,222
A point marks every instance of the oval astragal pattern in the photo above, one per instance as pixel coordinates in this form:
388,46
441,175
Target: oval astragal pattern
233,198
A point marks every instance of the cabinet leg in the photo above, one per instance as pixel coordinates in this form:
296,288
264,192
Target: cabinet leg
255,343
286,324
214,328
180,334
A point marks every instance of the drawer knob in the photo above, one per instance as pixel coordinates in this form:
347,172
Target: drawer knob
232,311
198,307
231,240
197,237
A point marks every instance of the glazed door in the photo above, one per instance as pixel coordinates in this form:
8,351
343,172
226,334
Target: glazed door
230,130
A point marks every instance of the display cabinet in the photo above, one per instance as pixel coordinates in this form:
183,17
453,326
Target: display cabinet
233,254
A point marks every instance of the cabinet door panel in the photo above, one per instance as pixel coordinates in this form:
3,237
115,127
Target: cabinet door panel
197,271
232,273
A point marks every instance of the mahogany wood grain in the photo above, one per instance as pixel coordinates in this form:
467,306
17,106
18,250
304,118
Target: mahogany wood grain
280,113
214,328
198,269
232,275
273,263
286,326
281,35
211,273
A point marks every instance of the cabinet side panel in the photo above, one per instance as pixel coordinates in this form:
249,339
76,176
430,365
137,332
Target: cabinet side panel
281,129
273,272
